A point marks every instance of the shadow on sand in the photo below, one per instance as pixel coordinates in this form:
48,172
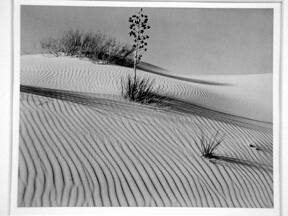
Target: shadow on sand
226,161
168,104
163,72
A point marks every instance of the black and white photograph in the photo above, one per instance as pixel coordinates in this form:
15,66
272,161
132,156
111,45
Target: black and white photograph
146,107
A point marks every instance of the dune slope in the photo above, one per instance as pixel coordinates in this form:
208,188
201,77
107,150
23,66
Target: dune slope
81,147
249,96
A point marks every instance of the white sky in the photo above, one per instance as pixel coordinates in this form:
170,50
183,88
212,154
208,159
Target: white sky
186,41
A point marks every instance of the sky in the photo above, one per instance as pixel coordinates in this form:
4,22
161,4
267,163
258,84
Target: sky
182,40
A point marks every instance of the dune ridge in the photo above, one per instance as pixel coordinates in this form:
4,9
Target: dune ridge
79,147
240,95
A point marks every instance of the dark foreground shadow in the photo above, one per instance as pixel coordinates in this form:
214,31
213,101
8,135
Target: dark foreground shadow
70,96
185,107
226,160
167,104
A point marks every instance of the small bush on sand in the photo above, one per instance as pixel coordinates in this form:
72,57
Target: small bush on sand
140,90
208,145
95,46
137,89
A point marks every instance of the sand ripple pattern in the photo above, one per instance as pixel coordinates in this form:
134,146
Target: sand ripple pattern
84,76
108,153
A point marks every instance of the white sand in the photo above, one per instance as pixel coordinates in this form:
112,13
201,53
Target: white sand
249,95
85,147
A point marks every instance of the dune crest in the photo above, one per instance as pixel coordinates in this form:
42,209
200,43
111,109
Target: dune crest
234,94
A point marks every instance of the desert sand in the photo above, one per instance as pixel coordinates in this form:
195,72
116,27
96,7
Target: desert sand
82,144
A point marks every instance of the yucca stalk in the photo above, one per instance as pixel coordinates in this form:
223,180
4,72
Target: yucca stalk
138,26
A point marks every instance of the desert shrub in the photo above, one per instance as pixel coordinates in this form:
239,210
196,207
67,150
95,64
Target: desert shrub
95,46
52,45
140,90
208,145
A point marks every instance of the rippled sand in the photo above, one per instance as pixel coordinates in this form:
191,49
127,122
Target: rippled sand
81,144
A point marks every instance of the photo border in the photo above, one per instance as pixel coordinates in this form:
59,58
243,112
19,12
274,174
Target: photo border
276,5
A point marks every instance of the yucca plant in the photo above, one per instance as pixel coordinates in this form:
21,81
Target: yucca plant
137,30
208,145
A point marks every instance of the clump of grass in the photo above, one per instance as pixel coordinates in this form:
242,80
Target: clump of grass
95,46
208,145
140,90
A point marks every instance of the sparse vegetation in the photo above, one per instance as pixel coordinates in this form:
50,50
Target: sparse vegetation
137,89
95,46
208,145
140,90
138,26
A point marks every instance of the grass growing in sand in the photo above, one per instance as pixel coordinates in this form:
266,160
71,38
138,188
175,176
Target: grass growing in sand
137,89
140,90
95,46
208,145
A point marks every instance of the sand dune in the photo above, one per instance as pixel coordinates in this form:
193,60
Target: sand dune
235,94
81,144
